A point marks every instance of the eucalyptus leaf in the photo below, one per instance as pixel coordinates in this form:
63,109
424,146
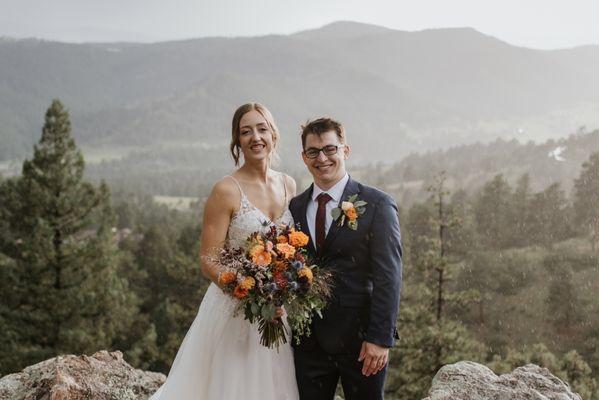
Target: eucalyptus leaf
360,203
268,311
336,213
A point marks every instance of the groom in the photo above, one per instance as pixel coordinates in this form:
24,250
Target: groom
362,248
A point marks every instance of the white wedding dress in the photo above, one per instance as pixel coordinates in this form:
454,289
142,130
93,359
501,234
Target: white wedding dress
221,357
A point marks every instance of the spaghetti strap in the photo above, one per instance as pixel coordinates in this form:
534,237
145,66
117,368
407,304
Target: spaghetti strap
238,185
284,186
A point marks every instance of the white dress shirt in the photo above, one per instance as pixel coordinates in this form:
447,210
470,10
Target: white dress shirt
335,192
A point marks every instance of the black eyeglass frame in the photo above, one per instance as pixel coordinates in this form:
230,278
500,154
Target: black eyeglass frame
330,153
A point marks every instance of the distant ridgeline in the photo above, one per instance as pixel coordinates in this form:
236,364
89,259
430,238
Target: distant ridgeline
469,167
397,92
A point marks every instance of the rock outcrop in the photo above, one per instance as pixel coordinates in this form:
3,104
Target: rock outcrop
102,376
106,376
466,380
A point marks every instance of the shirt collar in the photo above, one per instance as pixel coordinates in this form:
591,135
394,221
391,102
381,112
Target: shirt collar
335,192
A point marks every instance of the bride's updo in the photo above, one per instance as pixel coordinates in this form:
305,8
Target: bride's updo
235,146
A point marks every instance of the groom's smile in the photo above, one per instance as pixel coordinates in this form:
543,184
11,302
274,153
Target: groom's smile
325,156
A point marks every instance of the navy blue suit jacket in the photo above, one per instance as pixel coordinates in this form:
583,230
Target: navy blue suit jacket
367,269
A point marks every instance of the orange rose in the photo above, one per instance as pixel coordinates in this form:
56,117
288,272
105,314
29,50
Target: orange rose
282,239
298,239
305,272
260,256
227,277
240,292
286,249
256,248
248,283
351,214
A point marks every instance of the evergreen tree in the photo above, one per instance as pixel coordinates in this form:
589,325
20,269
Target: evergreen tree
60,254
426,345
495,275
521,211
461,238
494,215
429,338
171,291
563,304
548,216
586,199
419,229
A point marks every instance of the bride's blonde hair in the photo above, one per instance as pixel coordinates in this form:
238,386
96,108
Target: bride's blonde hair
235,146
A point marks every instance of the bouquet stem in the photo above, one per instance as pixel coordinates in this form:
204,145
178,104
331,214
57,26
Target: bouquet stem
273,332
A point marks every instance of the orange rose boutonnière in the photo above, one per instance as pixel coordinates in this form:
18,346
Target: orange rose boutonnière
349,210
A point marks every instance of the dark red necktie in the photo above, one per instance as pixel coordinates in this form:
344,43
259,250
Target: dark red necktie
321,215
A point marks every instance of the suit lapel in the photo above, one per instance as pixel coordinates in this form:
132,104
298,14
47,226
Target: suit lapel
351,188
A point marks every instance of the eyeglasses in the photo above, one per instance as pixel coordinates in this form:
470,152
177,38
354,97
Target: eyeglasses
328,150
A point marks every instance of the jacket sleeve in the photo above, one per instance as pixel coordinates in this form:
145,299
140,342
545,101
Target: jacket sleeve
386,264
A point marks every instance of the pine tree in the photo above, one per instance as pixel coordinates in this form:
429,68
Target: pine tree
461,238
521,211
430,338
60,254
548,216
586,199
494,215
171,291
563,303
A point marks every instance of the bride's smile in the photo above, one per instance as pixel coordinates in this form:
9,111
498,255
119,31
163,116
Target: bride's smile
255,136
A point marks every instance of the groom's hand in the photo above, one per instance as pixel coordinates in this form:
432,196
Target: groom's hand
375,358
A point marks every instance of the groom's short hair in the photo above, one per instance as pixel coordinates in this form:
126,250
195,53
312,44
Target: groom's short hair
320,126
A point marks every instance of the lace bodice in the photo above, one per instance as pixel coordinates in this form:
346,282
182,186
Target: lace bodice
249,219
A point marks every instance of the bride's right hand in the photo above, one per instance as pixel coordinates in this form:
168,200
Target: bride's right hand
279,312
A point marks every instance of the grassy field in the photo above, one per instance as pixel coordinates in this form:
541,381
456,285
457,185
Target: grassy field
180,203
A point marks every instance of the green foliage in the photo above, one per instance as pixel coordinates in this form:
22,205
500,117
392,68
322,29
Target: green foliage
494,214
563,304
521,210
548,218
426,345
62,290
485,271
168,281
473,165
571,367
429,338
586,199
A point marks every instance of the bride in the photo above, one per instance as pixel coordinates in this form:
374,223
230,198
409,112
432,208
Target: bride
221,356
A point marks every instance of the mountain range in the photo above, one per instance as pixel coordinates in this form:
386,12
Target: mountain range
396,92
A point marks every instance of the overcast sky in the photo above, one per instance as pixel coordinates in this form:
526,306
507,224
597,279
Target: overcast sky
545,24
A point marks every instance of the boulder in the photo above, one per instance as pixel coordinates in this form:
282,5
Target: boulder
102,376
466,380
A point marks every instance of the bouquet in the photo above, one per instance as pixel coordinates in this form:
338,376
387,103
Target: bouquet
272,270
